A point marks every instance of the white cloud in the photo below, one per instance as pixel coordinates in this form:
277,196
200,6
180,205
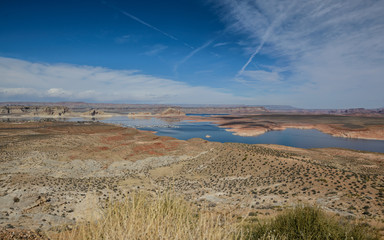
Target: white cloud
11,92
220,44
334,50
37,81
59,93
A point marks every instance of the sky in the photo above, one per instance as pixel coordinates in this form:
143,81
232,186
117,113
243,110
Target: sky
303,53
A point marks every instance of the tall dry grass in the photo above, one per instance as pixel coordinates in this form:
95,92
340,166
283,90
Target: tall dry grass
166,216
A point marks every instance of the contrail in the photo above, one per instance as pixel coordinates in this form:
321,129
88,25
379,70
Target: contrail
270,28
192,53
155,28
251,58
142,22
148,25
265,37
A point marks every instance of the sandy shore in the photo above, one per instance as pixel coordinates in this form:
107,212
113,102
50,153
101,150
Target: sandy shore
246,126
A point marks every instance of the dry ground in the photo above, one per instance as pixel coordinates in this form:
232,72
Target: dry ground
59,173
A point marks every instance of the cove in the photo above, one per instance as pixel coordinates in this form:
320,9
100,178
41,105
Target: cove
301,138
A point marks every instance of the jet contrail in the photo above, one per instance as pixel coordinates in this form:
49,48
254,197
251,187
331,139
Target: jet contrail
251,58
148,25
192,53
155,28
264,38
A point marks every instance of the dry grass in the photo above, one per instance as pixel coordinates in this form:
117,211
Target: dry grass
166,216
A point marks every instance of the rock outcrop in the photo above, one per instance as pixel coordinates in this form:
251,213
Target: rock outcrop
172,112
35,110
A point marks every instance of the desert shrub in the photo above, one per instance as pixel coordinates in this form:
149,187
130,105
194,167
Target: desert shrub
308,223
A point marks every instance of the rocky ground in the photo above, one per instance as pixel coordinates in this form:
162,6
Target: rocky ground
58,173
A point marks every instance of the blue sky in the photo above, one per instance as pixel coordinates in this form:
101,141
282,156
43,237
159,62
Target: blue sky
311,54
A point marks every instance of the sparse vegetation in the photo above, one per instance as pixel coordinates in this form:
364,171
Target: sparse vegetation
59,184
168,216
306,222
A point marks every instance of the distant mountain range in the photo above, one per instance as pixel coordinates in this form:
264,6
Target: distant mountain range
200,108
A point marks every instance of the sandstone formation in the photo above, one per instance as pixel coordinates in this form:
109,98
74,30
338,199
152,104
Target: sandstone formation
172,112
34,110
169,112
94,113
225,110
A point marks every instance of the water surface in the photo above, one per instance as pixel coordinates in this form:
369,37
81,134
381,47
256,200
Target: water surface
184,130
302,138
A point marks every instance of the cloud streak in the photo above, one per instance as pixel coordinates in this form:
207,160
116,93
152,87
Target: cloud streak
276,22
156,49
333,50
148,25
191,54
28,81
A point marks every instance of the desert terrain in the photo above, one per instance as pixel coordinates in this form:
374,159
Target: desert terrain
240,120
56,174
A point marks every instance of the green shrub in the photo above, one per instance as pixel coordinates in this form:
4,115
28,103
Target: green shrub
308,223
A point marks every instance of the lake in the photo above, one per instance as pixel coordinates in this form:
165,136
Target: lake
302,138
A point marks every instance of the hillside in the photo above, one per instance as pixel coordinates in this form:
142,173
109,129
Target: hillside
56,173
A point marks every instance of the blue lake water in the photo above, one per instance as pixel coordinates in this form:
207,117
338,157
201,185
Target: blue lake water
185,130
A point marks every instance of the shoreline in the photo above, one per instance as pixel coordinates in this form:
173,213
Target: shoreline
247,128
343,134
375,132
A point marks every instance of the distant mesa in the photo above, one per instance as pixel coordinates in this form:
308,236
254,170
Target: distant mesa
172,112
238,110
53,111
47,111
166,113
